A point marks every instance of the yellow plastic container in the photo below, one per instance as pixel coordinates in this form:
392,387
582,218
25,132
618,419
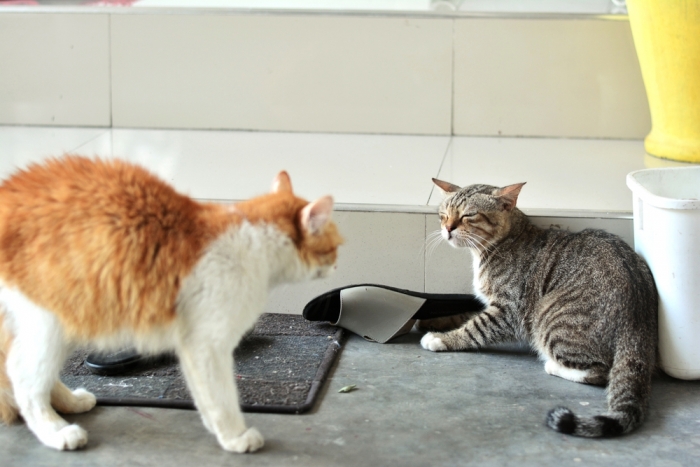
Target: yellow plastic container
667,38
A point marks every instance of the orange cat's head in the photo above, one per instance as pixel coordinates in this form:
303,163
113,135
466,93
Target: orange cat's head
307,225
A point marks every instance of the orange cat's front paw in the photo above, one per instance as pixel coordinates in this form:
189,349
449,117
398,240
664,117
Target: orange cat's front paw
250,441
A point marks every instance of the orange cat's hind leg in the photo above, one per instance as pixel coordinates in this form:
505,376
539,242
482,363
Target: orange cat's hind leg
66,401
33,363
8,407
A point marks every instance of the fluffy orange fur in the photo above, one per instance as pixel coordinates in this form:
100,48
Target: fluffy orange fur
111,234
105,245
119,239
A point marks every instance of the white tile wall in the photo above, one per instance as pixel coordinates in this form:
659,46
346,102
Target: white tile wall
561,174
20,146
283,73
54,69
360,73
547,77
356,169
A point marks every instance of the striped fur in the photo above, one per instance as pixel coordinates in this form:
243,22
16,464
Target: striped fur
585,301
103,253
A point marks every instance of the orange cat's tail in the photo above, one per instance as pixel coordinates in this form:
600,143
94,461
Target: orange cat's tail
8,408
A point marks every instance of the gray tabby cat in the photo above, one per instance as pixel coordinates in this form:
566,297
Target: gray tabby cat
586,302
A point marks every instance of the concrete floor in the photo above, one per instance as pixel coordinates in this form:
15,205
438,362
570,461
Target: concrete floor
412,408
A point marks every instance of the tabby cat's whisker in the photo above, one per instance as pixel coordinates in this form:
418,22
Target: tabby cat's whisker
490,248
432,240
434,243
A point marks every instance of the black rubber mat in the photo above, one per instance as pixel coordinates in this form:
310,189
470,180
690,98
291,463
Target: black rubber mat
280,367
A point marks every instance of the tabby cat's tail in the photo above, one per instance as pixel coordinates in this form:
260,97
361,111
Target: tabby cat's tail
629,388
8,408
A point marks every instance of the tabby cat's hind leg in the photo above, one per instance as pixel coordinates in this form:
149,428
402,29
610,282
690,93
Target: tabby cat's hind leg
66,401
33,375
594,375
555,369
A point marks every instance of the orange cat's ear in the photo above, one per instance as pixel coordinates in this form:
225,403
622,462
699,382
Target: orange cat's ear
282,183
446,186
509,195
314,216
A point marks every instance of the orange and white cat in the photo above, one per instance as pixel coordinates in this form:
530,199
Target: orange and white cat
103,253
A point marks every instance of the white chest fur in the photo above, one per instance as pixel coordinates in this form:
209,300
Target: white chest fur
227,289
478,290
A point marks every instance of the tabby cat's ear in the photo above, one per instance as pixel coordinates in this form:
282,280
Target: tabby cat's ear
282,183
314,216
509,195
446,186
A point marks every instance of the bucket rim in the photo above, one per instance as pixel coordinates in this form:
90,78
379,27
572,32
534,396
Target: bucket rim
661,201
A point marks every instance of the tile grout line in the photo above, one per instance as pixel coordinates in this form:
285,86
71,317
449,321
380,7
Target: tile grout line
442,163
111,83
84,143
452,82
425,216
425,252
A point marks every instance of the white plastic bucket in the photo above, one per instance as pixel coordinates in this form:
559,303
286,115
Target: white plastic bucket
667,235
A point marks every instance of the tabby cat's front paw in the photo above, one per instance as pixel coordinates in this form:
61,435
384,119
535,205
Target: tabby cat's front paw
250,441
432,341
